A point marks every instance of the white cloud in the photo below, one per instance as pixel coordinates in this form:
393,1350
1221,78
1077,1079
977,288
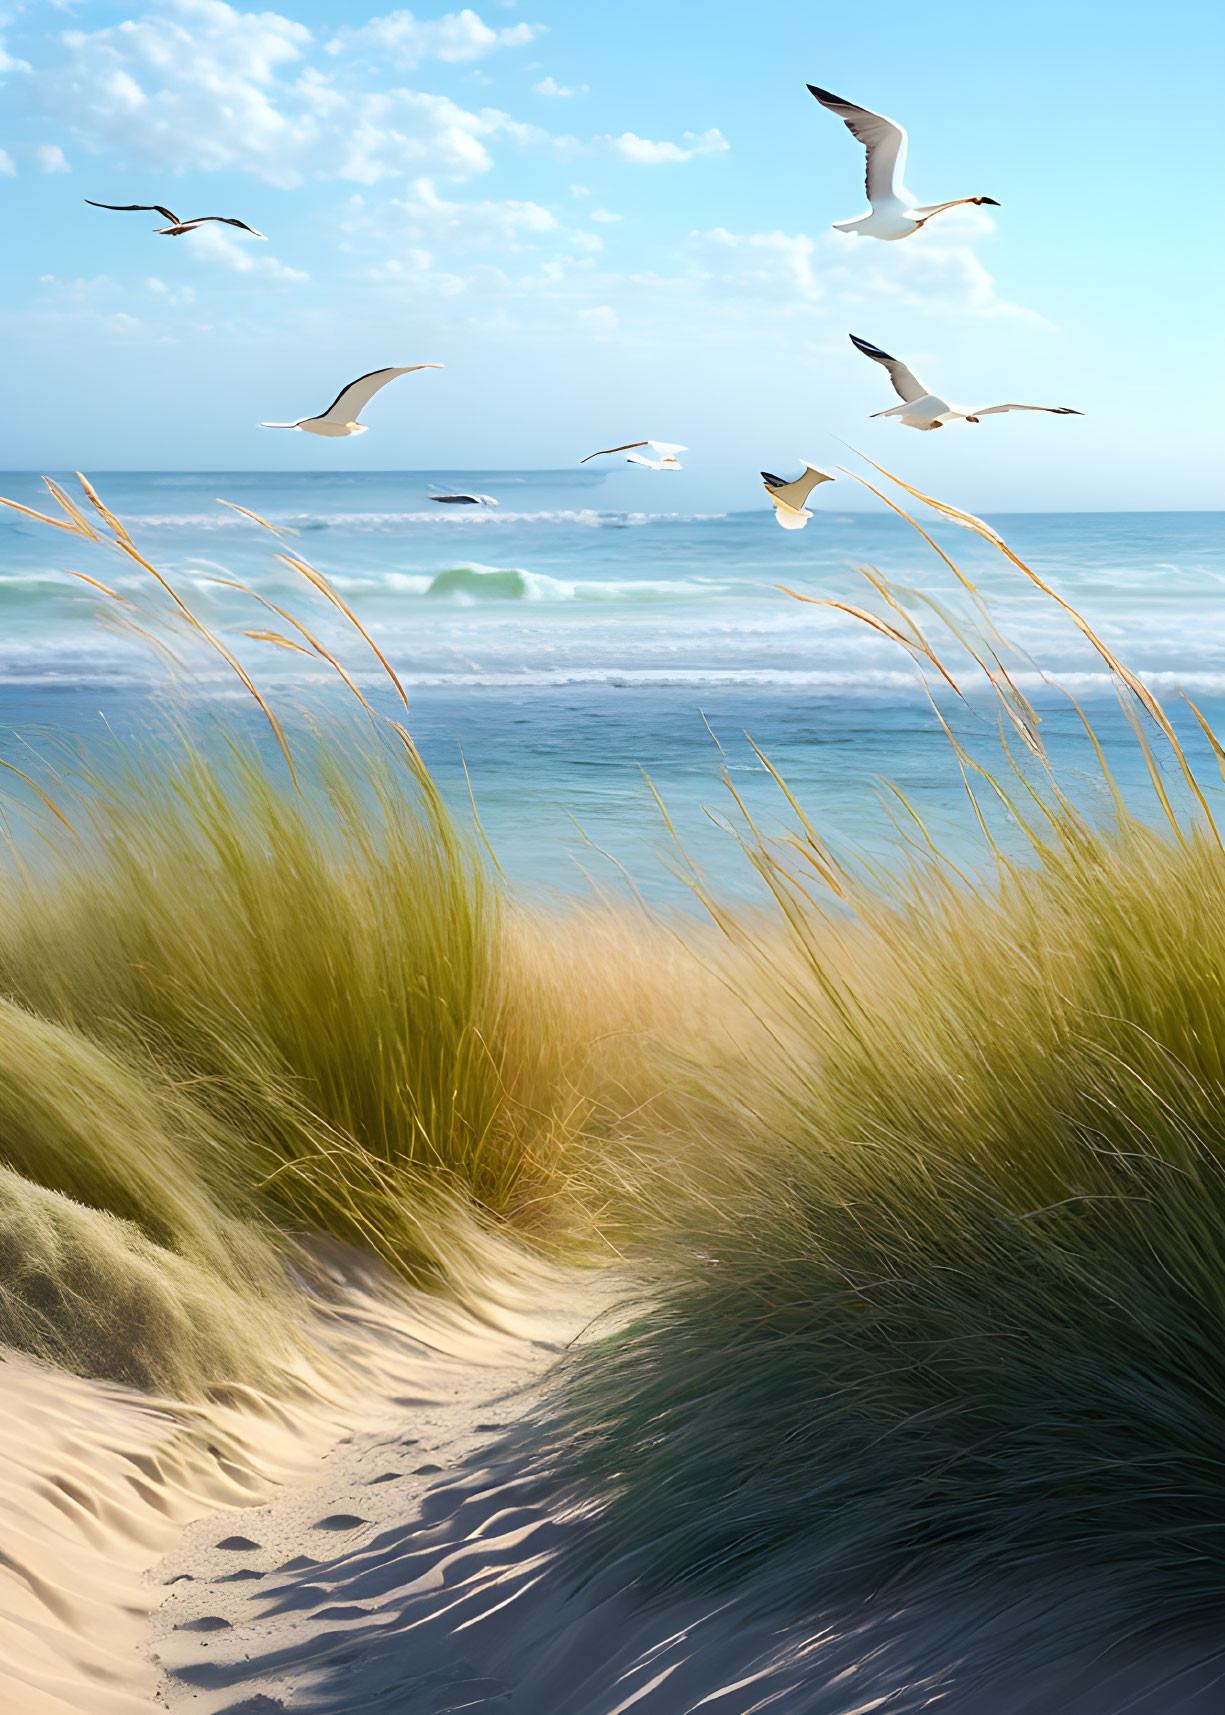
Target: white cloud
8,63
549,86
406,40
78,291
928,271
469,224
7,166
200,84
579,191
601,320
51,158
643,153
415,270
211,244
170,294
602,214
766,260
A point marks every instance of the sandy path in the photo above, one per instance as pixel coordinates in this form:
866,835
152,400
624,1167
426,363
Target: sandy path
422,1570
389,1552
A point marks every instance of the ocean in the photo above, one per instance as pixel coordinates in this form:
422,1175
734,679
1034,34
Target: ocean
568,648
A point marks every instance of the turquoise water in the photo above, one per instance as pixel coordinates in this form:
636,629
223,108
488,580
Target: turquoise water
568,642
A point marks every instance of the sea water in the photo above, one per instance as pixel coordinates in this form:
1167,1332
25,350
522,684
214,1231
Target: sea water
584,646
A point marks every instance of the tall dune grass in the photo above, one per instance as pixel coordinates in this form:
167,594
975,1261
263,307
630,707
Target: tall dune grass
957,1313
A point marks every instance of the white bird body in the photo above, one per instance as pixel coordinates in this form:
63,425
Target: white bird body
341,416
667,451
923,410
893,213
790,498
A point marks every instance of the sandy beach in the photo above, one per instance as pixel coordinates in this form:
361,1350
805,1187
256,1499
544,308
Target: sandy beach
385,1543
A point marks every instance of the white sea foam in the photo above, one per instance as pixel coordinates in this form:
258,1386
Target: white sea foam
384,522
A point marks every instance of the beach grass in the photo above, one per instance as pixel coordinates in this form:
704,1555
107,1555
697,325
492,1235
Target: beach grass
919,1169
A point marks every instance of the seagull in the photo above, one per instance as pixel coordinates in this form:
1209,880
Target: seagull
667,451
789,497
463,499
177,227
895,213
340,418
923,410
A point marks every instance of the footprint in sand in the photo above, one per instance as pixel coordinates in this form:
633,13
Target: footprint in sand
237,1577
338,1521
426,1470
237,1542
209,1623
387,1477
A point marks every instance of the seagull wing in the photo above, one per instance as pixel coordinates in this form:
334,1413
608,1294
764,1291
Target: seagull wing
1055,410
795,493
358,394
904,383
665,449
883,138
623,449
226,220
136,208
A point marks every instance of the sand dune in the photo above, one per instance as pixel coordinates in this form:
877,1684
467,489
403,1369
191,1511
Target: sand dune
425,1568
383,1545
97,1481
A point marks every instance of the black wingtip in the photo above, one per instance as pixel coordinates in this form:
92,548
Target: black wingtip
991,202
772,480
825,95
870,350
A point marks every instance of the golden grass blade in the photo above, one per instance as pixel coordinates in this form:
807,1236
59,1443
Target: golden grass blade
919,823
281,642
913,522
121,623
1150,762
105,588
55,523
36,788
874,620
104,511
317,580
82,523
820,857
315,644
227,655
1217,750
476,819
1133,682
277,530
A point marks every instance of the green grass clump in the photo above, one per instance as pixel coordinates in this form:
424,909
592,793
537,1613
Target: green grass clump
318,969
118,1257
959,1309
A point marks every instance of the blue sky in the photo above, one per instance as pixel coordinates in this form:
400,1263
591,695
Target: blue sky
610,222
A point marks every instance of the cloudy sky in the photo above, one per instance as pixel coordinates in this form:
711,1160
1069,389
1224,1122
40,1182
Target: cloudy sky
610,222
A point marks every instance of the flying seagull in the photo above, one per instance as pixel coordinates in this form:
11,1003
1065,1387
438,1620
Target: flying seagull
789,497
667,451
923,410
177,227
340,418
463,499
894,212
